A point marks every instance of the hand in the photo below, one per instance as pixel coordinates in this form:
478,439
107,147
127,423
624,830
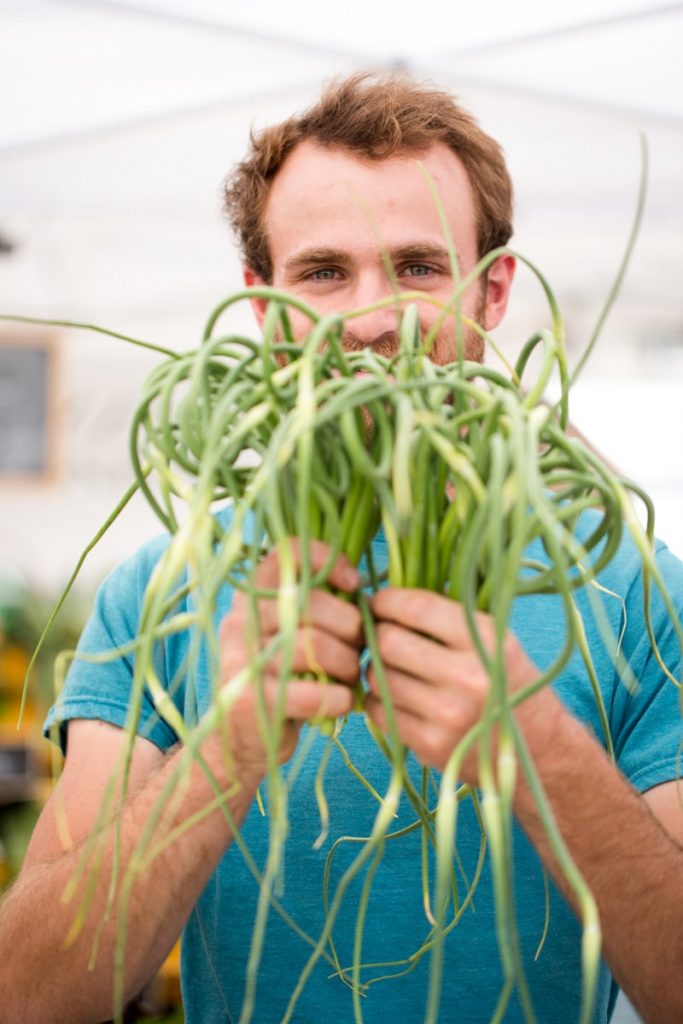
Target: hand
436,679
328,642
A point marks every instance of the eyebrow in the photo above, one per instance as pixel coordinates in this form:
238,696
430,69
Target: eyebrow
315,257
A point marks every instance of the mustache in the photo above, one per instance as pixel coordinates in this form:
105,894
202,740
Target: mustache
385,344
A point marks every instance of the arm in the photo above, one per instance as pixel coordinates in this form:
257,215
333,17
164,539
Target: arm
628,848
43,980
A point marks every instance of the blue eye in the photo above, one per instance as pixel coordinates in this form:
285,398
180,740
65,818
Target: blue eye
324,274
417,270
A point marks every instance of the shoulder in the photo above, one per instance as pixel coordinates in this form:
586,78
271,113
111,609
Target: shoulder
129,579
637,560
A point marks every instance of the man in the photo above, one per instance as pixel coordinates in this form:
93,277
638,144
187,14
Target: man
317,204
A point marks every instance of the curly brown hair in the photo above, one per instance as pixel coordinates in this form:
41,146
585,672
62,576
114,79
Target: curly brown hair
374,117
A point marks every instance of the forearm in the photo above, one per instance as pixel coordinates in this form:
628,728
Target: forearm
440,690
630,863
44,978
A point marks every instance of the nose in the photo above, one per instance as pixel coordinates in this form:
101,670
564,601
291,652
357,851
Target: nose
375,325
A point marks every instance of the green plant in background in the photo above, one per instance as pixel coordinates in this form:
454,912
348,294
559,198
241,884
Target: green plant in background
482,495
23,613
177,1017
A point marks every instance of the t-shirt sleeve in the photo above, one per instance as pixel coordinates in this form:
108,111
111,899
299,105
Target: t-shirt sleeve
648,722
99,681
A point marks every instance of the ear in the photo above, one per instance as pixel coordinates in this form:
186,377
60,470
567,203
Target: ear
259,306
498,283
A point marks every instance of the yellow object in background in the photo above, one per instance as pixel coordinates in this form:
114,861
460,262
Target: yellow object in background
26,758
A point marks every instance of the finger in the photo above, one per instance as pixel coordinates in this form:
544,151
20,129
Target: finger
435,615
425,741
428,660
335,616
319,652
430,740
305,699
342,575
324,611
455,710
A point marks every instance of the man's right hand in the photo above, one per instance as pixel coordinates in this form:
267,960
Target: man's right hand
327,644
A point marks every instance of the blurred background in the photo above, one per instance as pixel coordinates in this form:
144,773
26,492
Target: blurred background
118,122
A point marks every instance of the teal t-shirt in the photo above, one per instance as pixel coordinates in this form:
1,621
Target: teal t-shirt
646,730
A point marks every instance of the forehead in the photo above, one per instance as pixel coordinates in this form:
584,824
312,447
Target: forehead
328,197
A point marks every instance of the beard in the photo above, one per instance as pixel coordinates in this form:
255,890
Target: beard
445,345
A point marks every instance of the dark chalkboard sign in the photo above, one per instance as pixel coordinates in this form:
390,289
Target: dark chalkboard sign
26,384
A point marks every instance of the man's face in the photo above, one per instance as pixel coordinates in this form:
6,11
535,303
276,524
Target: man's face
332,218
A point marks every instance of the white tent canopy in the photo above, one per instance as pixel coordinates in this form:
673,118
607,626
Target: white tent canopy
80,67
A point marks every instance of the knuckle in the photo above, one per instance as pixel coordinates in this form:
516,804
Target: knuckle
344,669
434,748
474,680
389,638
309,648
419,603
451,715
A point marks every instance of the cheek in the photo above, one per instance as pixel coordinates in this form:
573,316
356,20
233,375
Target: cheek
320,303
300,325
443,345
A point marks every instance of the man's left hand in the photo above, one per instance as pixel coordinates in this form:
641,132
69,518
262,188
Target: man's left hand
438,683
